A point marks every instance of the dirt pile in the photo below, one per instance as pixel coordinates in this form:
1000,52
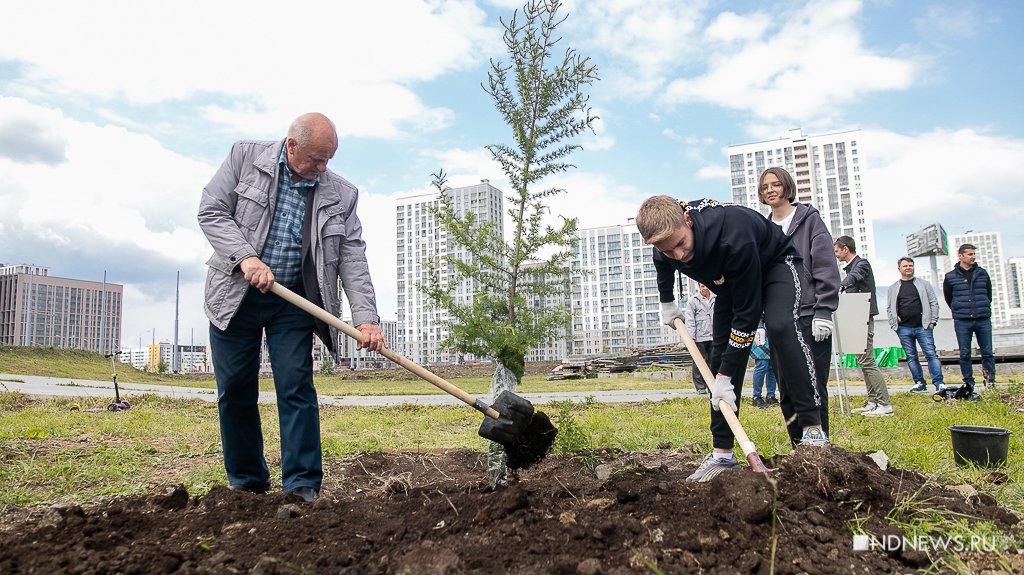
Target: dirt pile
597,513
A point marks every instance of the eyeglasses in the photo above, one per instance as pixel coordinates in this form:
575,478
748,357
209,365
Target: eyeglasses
773,185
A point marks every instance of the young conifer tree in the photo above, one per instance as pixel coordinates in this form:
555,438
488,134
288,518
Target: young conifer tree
540,95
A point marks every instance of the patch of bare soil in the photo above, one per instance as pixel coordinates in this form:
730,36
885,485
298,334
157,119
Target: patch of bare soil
429,513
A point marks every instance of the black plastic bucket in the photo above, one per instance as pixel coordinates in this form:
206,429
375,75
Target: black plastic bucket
979,445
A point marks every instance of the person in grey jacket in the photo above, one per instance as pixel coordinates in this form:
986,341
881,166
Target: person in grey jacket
274,213
913,311
820,296
860,279
699,318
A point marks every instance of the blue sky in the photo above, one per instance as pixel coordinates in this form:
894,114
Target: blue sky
114,115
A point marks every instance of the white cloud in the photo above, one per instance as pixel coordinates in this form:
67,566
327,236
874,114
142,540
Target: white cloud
121,203
940,21
730,27
639,40
713,172
956,178
341,63
799,70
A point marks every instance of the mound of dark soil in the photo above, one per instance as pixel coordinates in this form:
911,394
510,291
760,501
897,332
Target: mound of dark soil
429,513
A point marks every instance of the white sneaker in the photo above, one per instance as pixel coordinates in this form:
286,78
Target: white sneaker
867,407
879,411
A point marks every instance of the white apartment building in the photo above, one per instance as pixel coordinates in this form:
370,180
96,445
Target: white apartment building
1015,290
989,256
615,305
1015,282
828,171
421,237
192,358
560,346
352,358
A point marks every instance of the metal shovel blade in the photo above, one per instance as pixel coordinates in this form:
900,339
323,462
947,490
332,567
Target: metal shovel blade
526,434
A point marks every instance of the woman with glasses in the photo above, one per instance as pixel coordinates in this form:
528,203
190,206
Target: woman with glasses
803,224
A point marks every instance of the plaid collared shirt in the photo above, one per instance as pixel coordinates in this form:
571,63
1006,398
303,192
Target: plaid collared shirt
283,250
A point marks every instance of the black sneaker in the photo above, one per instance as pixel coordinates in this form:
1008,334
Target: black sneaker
771,401
759,403
306,494
919,388
259,488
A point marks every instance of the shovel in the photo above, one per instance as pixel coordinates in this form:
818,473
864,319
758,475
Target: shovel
525,434
734,424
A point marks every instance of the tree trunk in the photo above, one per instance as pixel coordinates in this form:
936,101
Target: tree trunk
497,470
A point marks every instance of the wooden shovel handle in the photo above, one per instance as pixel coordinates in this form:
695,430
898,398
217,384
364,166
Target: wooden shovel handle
318,312
734,424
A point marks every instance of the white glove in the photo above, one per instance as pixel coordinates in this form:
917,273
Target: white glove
669,312
723,390
759,337
821,329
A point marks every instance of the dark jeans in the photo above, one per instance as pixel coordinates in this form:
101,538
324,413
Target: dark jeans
704,347
982,329
910,338
802,398
236,361
764,377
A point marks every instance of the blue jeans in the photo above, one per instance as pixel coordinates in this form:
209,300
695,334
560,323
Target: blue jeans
982,328
236,362
910,338
763,374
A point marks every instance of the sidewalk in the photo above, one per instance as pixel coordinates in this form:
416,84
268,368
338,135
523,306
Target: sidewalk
62,387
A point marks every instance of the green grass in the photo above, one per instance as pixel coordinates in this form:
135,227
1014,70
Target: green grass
48,453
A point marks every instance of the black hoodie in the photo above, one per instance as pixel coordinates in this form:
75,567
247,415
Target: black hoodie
732,246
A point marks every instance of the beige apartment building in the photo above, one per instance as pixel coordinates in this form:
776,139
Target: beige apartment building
39,309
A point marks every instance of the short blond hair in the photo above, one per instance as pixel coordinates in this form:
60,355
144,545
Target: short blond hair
658,218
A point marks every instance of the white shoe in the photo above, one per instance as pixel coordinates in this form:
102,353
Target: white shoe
867,407
879,411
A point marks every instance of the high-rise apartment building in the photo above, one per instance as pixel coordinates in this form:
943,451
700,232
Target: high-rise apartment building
351,358
1015,282
421,237
39,309
560,346
1015,291
989,252
615,304
828,170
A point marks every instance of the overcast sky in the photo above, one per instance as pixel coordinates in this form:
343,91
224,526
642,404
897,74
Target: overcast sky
114,115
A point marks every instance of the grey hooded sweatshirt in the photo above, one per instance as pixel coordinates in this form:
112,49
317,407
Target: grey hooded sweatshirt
812,240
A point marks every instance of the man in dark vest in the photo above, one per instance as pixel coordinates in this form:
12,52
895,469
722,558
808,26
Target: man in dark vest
968,292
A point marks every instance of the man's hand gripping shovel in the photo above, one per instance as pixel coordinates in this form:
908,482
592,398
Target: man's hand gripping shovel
734,424
525,434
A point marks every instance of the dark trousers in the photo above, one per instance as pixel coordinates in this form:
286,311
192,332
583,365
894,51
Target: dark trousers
704,348
982,329
821,356
801,398
236,361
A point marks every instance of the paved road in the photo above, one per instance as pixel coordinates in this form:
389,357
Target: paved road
56,386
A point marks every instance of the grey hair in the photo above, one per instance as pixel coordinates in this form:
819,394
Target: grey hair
302,128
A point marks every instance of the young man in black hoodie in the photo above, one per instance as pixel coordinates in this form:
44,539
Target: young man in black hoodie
755,272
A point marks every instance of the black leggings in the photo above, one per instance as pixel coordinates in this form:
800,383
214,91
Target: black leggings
802,398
